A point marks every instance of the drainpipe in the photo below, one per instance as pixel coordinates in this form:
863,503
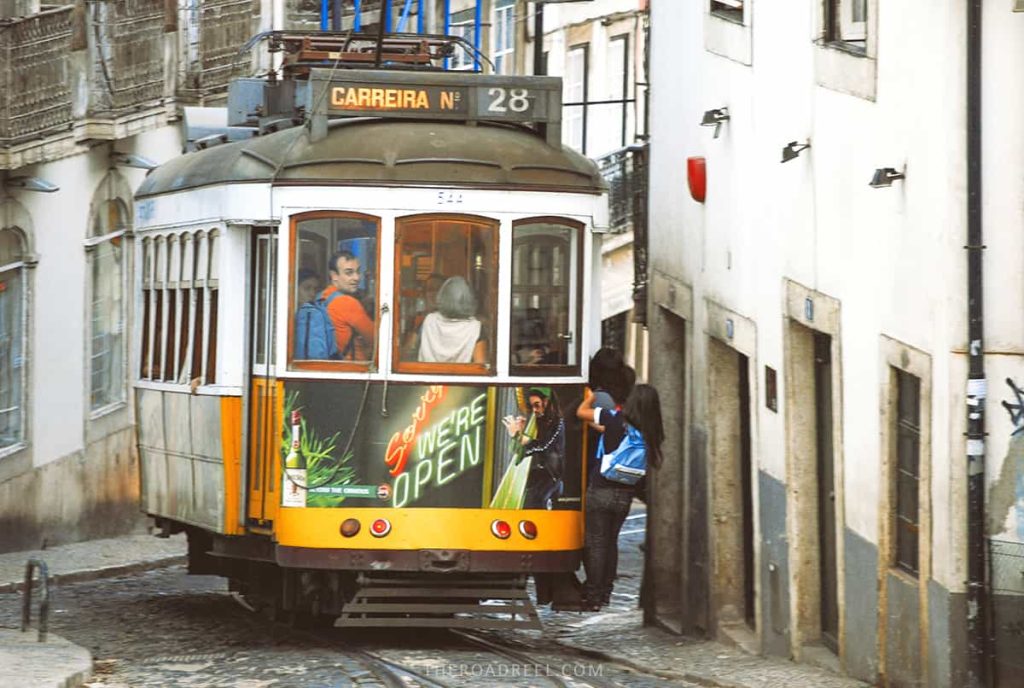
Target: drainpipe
976,385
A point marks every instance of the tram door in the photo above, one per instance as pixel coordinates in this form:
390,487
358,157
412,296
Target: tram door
265,402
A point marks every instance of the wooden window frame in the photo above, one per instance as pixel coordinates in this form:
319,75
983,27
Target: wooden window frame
555,369
330,366
457,369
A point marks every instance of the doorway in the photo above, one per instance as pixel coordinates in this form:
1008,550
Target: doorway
676,598
813,485
732,500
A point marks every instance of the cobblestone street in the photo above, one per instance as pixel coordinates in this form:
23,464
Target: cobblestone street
165,628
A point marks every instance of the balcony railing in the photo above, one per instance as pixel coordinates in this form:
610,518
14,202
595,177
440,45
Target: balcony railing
127,51
215,30
627,185
35,84
625,171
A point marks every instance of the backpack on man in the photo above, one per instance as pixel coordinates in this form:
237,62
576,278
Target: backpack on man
314,332
627,463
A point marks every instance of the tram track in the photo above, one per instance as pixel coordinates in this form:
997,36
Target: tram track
510,665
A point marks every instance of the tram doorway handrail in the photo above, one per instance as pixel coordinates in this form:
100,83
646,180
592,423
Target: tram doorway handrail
44,603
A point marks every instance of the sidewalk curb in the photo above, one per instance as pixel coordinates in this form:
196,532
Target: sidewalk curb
636,666
103,572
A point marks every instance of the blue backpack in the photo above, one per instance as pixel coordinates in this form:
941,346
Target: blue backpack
627,464
314,331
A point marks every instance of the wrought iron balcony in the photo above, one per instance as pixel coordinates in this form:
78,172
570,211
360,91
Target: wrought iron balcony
126,50
215,30
35,84
625,170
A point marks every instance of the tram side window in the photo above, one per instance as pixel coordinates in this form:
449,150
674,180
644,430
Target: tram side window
546,274
179,308
447,284
334,267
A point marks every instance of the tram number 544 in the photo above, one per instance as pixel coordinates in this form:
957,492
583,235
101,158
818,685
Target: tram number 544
508,100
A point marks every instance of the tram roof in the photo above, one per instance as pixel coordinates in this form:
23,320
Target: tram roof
382,152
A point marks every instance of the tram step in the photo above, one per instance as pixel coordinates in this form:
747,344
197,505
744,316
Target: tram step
420,603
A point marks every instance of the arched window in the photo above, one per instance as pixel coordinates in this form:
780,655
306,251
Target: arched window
12,338
107,257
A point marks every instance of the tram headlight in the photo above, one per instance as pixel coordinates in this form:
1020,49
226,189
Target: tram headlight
501,529
350,527
380,527
528,529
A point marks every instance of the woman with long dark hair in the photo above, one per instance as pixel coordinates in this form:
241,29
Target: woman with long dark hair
608,502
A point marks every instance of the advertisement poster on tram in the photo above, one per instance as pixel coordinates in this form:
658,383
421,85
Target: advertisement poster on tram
404,446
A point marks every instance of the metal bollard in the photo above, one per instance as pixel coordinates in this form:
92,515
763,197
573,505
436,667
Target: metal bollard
44,603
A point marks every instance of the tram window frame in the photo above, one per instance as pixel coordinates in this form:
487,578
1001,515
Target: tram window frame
293,259
575,297
490,333
178,342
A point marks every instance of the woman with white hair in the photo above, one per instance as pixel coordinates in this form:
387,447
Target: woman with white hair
452,333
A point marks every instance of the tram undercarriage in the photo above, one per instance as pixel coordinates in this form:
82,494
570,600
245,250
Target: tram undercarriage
442,592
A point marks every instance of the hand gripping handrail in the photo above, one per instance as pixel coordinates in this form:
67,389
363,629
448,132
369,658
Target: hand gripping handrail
44,603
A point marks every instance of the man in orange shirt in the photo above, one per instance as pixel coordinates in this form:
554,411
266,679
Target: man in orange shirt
353,328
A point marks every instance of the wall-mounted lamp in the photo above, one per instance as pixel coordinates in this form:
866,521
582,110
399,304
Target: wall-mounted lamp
131,160
29,184
885,176
792,150
715,118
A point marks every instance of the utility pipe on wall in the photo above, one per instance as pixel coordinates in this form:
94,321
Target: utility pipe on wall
976,384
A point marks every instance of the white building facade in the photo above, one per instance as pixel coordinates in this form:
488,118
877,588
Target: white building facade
809,332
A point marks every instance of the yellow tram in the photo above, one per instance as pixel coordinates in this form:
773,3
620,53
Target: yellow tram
359,330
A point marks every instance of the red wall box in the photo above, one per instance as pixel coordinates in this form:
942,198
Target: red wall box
696,176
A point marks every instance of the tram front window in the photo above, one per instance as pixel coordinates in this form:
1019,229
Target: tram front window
446,281
334,273
545,299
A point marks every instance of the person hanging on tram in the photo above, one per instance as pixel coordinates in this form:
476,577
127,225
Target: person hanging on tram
608,501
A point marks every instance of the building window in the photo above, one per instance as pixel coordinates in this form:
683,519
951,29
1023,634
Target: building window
504,36
574,96
446,276
13,311
846,22
106,249
728,9
335,264
908,474
614,134
546,274
463,25
179,308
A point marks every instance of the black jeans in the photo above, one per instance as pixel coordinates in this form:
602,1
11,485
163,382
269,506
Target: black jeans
607,508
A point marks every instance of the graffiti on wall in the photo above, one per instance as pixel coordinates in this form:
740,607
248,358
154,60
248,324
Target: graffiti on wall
1006,497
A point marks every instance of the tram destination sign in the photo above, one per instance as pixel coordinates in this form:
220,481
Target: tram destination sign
438,95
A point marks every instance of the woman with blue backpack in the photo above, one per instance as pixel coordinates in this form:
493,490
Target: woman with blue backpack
630,442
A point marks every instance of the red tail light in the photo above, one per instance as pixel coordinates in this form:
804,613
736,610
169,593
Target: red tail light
528,529
380,527
350,527
501,529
